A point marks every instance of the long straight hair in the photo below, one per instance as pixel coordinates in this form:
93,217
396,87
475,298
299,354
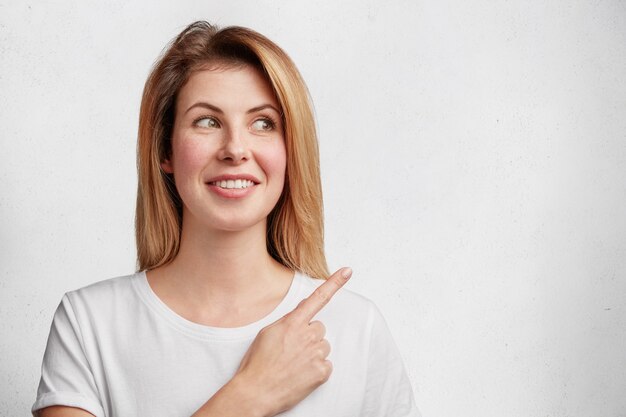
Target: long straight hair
295,227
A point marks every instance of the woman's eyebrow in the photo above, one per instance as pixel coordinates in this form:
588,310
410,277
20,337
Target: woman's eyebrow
220,111
262,107
205,106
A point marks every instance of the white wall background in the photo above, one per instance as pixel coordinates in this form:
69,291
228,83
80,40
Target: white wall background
474,168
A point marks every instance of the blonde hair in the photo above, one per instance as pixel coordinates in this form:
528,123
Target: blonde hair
295,227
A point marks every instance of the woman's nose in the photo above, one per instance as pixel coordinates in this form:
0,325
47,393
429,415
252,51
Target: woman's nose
234,147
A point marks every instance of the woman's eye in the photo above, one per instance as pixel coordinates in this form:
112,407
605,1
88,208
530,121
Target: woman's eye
263,125
207,122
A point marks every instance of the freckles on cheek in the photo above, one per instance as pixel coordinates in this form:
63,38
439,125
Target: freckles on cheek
188,156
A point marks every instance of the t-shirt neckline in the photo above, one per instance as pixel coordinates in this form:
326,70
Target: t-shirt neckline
147,295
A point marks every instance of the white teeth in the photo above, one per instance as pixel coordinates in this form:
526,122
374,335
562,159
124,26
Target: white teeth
230,184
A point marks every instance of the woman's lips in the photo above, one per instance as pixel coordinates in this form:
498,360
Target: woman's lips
240,176
232,188
230,184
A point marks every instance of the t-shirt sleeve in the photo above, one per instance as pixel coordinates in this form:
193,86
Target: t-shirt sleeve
66,375
388,391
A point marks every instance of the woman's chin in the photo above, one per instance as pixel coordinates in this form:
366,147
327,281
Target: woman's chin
238,224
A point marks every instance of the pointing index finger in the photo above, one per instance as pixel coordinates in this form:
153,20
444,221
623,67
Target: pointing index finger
311,305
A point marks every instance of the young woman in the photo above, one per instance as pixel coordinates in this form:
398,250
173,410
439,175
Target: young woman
224,317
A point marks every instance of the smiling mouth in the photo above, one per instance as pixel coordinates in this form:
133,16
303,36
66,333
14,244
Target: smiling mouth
233,184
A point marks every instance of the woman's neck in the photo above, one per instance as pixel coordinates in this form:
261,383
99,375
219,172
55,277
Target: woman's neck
229,261
228,271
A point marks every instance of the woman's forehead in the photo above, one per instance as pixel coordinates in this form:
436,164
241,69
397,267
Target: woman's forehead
230,86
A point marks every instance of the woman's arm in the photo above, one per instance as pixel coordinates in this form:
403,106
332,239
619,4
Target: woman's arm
62,411
233,399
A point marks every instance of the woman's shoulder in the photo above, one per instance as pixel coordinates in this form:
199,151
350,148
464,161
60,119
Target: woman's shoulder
351,319
98,307
107,286
107,292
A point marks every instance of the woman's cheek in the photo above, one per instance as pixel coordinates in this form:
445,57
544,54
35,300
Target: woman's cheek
189,157
274,161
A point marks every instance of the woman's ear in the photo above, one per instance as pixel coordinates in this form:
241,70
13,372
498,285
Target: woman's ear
166,166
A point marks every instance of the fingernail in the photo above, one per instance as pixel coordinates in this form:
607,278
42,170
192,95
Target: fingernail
346,273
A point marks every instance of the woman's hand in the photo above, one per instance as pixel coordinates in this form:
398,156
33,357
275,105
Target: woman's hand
287,359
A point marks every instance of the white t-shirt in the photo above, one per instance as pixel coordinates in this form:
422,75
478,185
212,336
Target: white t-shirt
116,350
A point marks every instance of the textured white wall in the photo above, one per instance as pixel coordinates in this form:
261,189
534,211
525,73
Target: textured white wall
474,167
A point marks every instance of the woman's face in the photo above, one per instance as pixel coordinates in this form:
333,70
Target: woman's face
228,150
